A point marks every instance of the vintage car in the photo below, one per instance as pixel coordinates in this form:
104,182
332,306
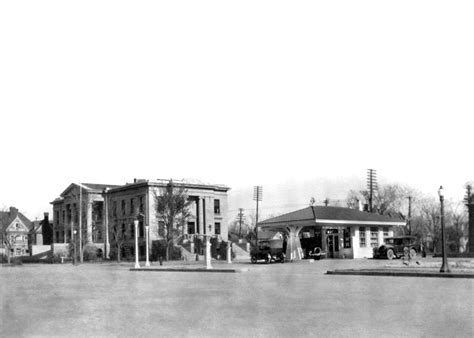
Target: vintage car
398,246
268,251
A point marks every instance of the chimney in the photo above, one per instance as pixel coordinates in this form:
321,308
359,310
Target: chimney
13,210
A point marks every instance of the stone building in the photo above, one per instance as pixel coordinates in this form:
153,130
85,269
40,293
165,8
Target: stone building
111,209
80,208
14,229
208,211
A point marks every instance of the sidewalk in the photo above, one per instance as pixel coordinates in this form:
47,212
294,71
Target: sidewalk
191,266
458,269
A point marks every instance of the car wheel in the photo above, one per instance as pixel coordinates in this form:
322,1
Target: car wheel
268,259
390,254
412,253
282,259
253,259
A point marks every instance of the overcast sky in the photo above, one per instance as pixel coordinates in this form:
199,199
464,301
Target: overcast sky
233,92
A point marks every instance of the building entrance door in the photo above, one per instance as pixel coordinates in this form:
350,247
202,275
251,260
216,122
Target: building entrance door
332,245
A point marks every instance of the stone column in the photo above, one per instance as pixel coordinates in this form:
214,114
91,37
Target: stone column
200,219
89,220
73,215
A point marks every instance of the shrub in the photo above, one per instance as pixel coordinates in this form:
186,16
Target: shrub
56,257
17,261
158,249
90,253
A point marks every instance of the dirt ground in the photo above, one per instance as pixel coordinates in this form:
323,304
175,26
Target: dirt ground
291,299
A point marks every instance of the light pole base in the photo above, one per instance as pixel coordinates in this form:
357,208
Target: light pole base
137,266
147,264
444,269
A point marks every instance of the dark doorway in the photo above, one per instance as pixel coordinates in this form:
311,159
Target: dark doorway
310,238
332,241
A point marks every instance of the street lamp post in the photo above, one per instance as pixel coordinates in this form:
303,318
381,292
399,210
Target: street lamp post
106,224
137,265
147,228
444,266
74,239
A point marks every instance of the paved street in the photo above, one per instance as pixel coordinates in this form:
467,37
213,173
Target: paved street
293,299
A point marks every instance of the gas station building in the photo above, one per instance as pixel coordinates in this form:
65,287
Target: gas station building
335,231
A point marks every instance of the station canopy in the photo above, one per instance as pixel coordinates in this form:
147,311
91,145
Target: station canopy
322,215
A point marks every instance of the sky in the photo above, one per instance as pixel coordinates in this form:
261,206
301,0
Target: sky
241,93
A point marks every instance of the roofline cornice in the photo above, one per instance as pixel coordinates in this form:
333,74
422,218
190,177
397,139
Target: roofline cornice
334,221
154,184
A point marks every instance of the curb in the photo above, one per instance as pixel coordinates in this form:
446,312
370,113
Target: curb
392,273
191,270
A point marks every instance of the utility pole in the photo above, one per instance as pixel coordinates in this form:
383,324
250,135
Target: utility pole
241,215
257,196
81,254
470,210
371,186
409,215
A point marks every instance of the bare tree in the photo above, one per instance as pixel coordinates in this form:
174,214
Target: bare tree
428,222
172,207
118,239
353,199
457,217
8,242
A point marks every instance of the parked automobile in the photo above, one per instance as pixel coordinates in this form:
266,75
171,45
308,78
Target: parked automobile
396,247
269,251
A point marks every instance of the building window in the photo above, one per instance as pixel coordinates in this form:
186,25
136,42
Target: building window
123,231
57,217
217,228
132,206
141,203
64,216
123,207
374,237
141,229
69,213
190,227
114,209
347,238
76,214
132,230
385,232
362,242
217,206
161,228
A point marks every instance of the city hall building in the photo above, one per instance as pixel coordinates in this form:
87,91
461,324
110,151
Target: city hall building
102,209
336,232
